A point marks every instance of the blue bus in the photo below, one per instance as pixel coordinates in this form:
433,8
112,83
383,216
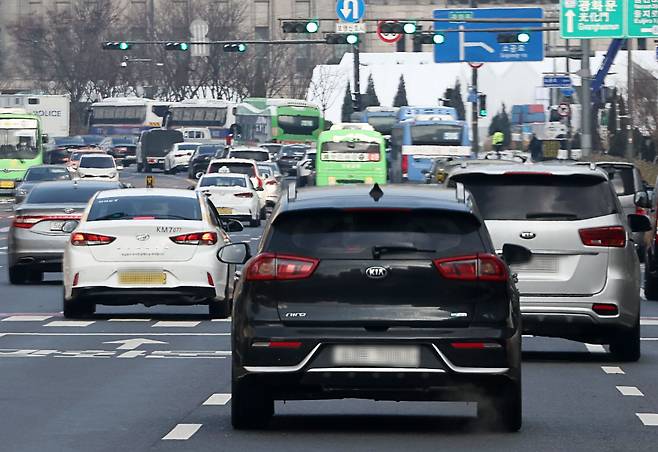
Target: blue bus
382,119
416,142
412,112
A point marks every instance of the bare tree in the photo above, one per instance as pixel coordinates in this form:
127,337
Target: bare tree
645,100
323,87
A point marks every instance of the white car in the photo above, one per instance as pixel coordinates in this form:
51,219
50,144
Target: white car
233,195
98,167
178,159
149,246
271,183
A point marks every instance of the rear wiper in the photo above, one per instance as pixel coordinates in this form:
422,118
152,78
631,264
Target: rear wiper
378,250
112,216
536,215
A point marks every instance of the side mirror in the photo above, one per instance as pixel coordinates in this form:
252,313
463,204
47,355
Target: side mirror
233,226
642,200
236,253
44,138
191,187
515,254
639,223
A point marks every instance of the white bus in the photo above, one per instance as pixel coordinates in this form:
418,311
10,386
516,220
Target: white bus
126,115
216,115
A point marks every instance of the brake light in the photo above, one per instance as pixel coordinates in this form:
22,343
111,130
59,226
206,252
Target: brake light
76,279
27,221
405,164
474,345
86,239
243,195
196,238
605,309
641,211
211,282
482,267
270,267
614,236
278,344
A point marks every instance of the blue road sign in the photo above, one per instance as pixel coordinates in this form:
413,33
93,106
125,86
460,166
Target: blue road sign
470,45
350,10
557,81
567,92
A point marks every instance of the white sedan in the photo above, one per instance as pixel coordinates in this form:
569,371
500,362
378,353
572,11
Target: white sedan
233,195
98,167
178,159
148,246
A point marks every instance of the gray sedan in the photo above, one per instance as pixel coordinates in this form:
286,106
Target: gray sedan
37,174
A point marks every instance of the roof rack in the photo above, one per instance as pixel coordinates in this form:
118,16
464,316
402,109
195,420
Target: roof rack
461,193
292,191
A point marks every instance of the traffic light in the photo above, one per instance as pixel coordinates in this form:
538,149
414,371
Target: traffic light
239,47
341,38
407,28
116,45
483,105
514,38
302,26
429,38
180,46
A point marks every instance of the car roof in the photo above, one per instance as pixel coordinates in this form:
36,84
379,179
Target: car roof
171,192
500,169
96,154
47,166
216,175
76,183
363,196
629,164
251,162
255,149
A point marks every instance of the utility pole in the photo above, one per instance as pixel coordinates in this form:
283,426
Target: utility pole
629,103
357,77
586,101
475,118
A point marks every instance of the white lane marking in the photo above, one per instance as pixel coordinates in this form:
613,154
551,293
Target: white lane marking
118,334
129,320
595,348
528,335
182,432
174,324
630,391
5,229
3,247
26,318
648,419
132,354
649,322
221,320
649,338
610,370
76,323
218,399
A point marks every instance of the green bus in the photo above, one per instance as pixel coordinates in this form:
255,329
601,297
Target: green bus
350,157
21,146
259,120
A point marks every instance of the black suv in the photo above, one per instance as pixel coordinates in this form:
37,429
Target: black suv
386,294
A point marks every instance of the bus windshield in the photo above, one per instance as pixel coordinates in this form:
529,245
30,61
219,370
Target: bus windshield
436,135
119,114
350,151
299,125
18,144
199,115
382,124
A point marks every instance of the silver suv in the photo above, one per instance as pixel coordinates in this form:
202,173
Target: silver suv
583,282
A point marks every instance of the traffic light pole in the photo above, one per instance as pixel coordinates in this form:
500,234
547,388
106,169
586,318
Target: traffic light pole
475,116
586,101
357,76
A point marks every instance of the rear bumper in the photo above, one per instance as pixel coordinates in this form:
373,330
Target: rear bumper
148,296
39,261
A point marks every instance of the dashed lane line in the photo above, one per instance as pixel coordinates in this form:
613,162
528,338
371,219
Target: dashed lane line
217,399
630,391
149,334
649,322
129,320
595,348
612,370
175,324
5,229
648,419
67,323
182,432
26,318
221,320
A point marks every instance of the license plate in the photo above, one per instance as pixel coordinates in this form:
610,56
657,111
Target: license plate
56,225
145,278
379,356
7,184
225,211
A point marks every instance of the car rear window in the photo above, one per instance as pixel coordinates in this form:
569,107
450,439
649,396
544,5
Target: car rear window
293,151
70,194
238,168
223,181
46,174
622,179
96,162
259,156
353,234
539,197
145,207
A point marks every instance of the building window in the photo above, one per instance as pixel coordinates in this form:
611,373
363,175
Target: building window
303,9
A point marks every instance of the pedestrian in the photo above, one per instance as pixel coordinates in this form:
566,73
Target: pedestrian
535,149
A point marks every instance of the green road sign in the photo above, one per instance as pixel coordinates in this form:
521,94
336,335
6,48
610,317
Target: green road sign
590,19
642,18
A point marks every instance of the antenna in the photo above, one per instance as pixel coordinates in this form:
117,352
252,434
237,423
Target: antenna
376,193
461,193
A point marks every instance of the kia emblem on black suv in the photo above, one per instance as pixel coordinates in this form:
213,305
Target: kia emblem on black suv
376,272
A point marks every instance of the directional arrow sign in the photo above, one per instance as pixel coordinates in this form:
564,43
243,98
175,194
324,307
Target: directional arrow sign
592,19
642,19
132,344
350,10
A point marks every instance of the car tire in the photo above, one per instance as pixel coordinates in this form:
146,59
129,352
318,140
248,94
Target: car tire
254,223
219,309
650,285
251,406
76,308
263,213
503,410
625,347
17,275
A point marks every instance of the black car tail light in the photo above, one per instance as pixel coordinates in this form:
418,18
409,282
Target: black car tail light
271,267
481,267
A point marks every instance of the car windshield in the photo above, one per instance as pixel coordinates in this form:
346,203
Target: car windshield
347,234
38,174
92,139
540,197
96,162
265,172
259,156
382,124
122,141
187,147
145,207
67,194
223,181
239,168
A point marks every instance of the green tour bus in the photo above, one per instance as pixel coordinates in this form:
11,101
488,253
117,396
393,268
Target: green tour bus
259,120
351,157
20,146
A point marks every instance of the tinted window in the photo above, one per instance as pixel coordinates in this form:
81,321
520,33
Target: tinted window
223,181
239,168
187,147
145,207
259,156
44,174
621,178
435,134
97,162
207,150
538,197
123,141
299,125
343,234
293,151
68,194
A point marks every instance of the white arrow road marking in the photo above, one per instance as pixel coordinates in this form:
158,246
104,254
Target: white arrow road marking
79,323
218,399
182,432
6,229
352,10
570,22
132,344
175,324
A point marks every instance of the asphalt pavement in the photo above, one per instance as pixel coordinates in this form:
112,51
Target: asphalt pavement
142,379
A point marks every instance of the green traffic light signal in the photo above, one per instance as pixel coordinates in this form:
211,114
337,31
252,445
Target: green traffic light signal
124,46
180,46
235,47
116,45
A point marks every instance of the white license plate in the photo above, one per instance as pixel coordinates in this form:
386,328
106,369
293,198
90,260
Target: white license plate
56,225
225,211
378,356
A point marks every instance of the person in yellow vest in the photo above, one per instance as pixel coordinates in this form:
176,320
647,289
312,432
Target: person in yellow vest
497,140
